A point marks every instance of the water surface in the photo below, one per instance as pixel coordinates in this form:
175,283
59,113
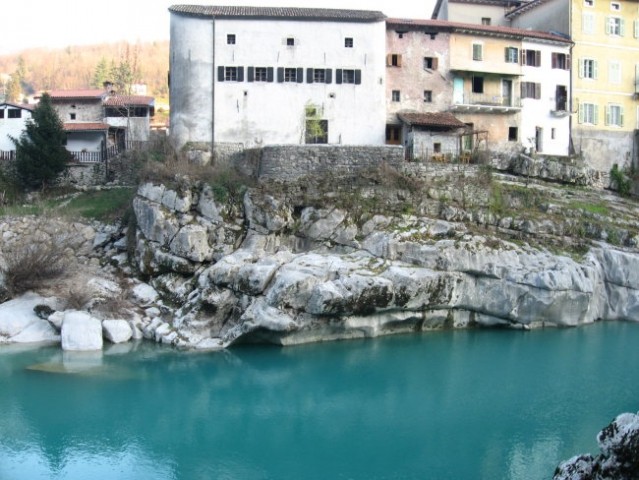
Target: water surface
462,405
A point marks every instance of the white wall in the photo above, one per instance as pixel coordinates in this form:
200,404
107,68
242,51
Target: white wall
11,127
553,15
259,113
536,112
87,141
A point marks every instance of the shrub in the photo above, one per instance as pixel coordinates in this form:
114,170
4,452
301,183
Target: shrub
30,264
620,181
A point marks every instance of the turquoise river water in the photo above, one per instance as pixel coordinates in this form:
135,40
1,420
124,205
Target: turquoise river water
474,404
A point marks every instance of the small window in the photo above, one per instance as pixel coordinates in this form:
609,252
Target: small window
72,116
261,74
485,20
1,113
395,96
393,60
348,42
478,84
14,113
230,74
512,134
532,58
560,60
400,34
428,96
615,26
589,3
348,76
230,39
511,55
437,147
478,52
290,74
430,63
290,42
588,68
588,113
614,115
530,90
319,75
553,133
615,6
393,134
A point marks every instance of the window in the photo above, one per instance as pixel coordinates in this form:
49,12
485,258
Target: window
478,52
316,131
530,90
561,61
14,113
437,147
72,116
290,42
261,74
532,58
615,6
230,39
553,133
430,63
588,68
485,20
393,60
561,98
511,55
230,74
614,71
395,96
614,115
428,96
478,84
348,76
348,42
588,23
615,26
1,113
512,134
319,75
589,3
290,74
588,113
400,34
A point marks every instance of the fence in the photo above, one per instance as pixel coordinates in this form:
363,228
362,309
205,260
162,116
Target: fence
7,156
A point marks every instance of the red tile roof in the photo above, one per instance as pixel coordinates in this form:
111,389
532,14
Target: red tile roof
85,126
24,106
87,93
457,27
279,13
123,100
431,119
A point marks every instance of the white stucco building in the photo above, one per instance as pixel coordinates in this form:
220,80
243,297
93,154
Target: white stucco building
13,120
545,90
258,76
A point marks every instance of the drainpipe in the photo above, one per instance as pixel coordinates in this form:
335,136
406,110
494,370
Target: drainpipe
213,91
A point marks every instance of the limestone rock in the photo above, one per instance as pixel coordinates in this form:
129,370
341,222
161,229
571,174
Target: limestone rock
191,242
145,294
18,314
117,331
40,331
81,331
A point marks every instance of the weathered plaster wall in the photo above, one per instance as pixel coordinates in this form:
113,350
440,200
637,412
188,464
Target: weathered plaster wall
549,16
84,111
85,141
11,127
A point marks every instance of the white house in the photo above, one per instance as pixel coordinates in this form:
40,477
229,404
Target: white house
13,120
257,76
545,89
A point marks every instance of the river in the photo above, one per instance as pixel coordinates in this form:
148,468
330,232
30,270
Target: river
474,404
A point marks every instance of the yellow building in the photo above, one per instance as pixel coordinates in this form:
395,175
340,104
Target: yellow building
605,65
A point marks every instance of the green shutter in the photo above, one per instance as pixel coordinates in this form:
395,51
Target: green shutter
581,113
607,110
581,68
596,116
621,116
607,20
595,70
622,27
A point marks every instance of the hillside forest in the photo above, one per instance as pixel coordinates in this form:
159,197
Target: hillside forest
75,67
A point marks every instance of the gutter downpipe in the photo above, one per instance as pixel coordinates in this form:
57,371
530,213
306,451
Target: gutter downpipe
213,90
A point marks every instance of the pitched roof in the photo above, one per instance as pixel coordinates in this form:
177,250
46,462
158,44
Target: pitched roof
494,30
431,119
505,3
24,106
524,8
281,13
79,94
85,126
128,100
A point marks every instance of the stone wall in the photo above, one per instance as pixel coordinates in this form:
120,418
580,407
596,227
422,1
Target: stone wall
292,162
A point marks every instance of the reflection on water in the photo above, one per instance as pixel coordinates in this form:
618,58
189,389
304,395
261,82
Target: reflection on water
472,404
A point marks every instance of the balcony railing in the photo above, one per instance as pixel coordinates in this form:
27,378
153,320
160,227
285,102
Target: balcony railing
486,102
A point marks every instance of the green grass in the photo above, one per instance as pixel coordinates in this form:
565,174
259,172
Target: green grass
598,208
103,205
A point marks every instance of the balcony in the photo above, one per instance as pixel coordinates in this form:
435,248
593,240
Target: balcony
485,103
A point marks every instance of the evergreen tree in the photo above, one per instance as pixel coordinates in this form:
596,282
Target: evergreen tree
40,153
101,73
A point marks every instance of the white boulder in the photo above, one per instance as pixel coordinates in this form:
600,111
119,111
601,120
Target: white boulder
117,331
81,331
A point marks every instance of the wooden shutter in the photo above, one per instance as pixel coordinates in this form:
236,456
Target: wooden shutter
300,75
329,75
389,60
358,77
523,57
338,75
280,74
435,63
250,74
269,74
537,58
220,74
309,75
240,74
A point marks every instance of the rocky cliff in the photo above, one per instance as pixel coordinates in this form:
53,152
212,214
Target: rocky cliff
283,268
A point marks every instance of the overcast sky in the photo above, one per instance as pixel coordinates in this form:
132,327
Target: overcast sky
54,24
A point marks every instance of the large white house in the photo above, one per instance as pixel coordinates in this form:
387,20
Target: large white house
256,76
13,120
